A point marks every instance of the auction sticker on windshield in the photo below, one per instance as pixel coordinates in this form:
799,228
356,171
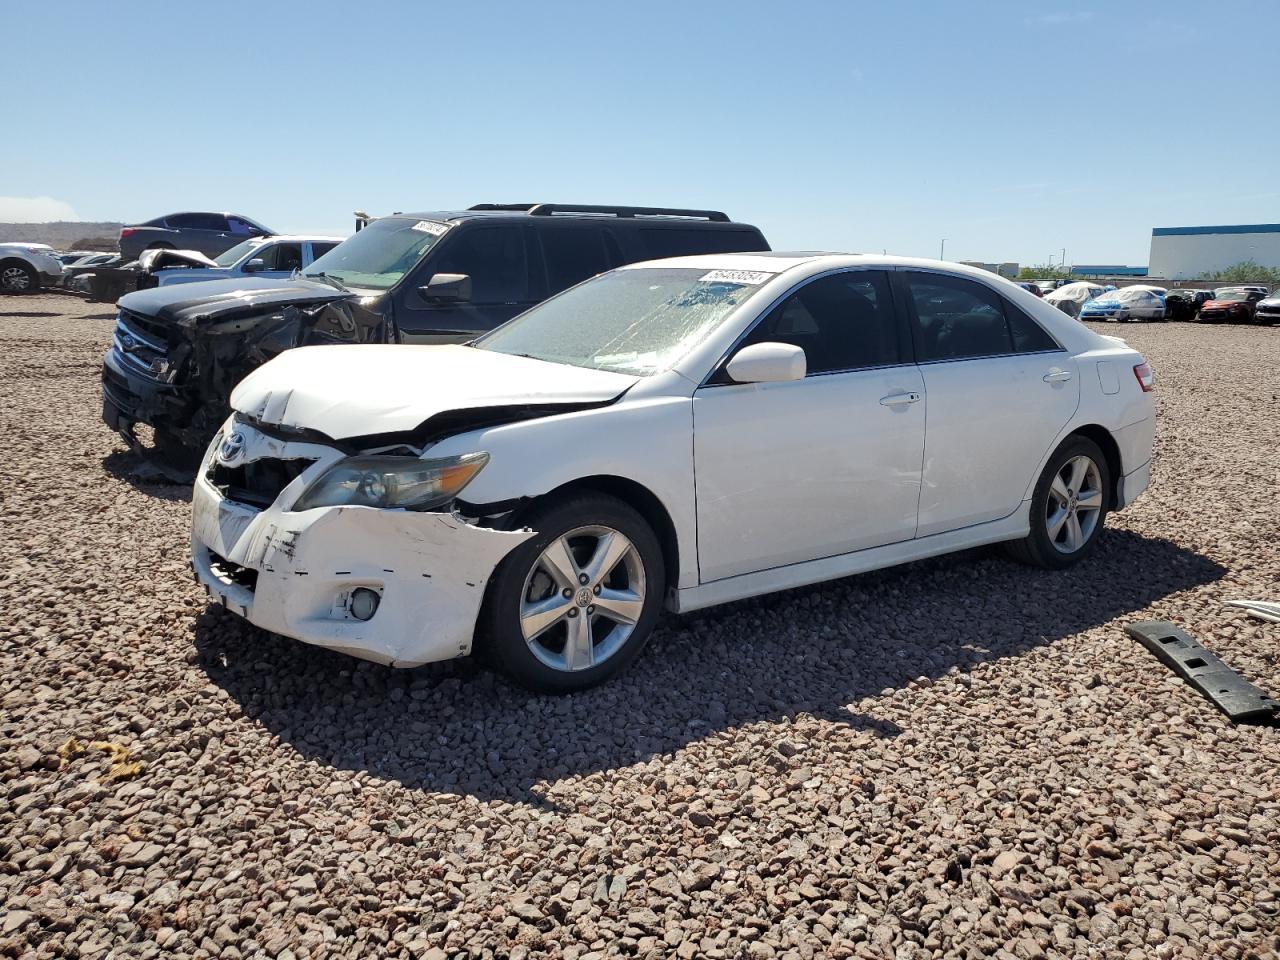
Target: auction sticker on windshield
753,277
431,227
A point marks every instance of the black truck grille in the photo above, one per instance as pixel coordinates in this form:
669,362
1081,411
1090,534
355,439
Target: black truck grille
258,483
144,327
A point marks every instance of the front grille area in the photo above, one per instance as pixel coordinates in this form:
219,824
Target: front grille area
257,483
224,569
147,328
142,345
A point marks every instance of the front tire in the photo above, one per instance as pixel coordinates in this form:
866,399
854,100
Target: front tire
1068,507
575,604
17,277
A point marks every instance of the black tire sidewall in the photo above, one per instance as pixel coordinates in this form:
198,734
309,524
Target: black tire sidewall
33,279
500,639
1041,548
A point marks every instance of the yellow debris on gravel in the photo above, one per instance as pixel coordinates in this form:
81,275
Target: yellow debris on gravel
123,766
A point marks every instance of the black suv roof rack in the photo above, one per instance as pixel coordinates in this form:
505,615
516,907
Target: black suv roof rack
547,209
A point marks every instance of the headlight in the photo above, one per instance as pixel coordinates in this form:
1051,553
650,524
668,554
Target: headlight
404,482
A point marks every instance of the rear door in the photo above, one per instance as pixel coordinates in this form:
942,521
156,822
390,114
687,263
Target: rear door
318,249
205,232
496,257
999,390
572,253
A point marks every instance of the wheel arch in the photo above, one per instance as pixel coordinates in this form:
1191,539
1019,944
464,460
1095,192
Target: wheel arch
641,499
1111,450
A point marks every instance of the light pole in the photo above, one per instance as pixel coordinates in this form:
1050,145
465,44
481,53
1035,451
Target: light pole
942,249
1064,259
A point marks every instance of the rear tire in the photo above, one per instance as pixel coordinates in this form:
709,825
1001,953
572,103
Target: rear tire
1068,507
552,631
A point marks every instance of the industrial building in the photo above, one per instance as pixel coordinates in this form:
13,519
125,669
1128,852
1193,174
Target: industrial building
1179,253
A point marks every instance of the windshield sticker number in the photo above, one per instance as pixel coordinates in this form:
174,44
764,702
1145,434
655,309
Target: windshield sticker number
431,227
753,277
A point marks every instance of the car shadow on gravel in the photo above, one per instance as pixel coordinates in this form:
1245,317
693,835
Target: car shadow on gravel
149,476
458,728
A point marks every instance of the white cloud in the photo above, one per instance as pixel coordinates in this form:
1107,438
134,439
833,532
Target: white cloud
35,210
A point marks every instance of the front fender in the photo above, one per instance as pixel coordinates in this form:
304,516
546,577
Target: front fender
647,441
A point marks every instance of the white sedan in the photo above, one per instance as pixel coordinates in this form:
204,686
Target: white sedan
676,433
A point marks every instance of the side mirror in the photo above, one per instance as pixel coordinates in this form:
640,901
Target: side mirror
767,363
447,288
255,265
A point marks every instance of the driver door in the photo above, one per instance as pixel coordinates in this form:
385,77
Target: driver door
805,469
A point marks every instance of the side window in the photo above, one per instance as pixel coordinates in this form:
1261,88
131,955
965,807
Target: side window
493,257
1028,336
283,256
241,228
957,318
572,255
199,221
318,250
843,321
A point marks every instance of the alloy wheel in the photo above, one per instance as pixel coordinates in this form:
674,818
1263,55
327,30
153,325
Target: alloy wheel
582,598
15,278
1075,504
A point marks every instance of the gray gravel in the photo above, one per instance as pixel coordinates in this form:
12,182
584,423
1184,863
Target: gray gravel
960,758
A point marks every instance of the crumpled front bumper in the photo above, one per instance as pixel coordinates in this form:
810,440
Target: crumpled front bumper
294,573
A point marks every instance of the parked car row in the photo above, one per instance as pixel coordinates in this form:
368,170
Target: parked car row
1088,301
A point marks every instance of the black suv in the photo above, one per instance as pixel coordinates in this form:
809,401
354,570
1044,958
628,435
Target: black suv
440,277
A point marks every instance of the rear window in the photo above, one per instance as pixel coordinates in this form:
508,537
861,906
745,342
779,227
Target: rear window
659,242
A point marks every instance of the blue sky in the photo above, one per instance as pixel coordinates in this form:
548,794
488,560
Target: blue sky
1012,129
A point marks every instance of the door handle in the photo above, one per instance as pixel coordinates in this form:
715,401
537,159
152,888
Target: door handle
1057,376
897,399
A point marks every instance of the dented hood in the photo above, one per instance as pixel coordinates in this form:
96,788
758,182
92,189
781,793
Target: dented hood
366,390
209,300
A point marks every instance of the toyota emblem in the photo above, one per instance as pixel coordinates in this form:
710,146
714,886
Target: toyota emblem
231,447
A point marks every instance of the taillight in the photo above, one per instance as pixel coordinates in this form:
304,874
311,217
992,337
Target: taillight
126,231
1146,377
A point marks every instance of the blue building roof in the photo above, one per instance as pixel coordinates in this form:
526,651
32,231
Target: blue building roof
1201,231
1107,270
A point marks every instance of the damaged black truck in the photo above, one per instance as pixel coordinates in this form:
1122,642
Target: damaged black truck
438,277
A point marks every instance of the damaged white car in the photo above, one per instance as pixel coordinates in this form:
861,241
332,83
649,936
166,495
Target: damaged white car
676,433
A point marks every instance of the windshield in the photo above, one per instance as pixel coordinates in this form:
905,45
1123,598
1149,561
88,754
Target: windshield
638,321
235,253
380,254
1231,295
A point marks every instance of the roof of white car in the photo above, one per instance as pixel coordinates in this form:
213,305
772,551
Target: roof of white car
23,245
780,261
298,236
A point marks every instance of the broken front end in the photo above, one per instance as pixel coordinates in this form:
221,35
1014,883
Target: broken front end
174,370
364,554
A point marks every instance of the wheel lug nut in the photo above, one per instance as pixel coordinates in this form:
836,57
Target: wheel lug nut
566,593
583,578
573,612
591,609
596,591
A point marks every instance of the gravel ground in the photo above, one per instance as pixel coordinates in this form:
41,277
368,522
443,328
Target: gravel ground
959,758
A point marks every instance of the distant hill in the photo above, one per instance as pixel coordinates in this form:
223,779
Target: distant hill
65,234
